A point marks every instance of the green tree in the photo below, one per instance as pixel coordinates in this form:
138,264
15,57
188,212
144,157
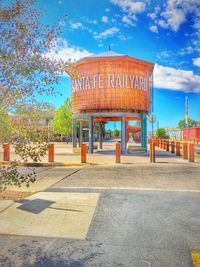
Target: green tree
161,133
5,127
116,133
191,123
62,121
32,130
25,72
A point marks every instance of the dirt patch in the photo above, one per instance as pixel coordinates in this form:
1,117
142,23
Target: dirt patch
13,195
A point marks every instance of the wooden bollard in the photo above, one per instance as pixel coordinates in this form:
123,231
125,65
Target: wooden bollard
172,146
167,145
152,152
6,152
161,143
191,153
117,152
178,149
51,153
83,153
184,150
158,142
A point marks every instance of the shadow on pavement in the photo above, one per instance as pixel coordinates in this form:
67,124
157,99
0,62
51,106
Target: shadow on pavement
36,205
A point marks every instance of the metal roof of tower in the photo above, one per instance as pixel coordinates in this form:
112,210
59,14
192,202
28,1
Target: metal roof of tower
107,54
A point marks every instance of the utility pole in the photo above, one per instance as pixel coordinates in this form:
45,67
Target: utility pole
186,118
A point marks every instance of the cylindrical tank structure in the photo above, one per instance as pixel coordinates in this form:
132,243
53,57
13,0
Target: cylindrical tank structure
111,87
111,82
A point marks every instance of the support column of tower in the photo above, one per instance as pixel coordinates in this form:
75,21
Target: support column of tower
144,131
100,135
123,134
91,134
74,133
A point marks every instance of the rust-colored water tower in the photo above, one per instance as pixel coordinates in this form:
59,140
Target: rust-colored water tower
111,87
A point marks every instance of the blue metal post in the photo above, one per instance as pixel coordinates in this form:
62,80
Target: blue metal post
91,134
144,131
74,133
123,135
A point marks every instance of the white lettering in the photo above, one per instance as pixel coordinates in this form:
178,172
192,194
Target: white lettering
79,85
136,82
122,80
111,80
95,80
100,81
141,83
83,82
126,81
118,81
131,81
87,83
145,84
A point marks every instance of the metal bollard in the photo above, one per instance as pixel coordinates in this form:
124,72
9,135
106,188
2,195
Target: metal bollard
51,153
6,152
178,148
117,152
83,153
185,150
191,153
152,152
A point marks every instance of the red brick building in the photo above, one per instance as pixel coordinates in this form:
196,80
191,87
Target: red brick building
193,133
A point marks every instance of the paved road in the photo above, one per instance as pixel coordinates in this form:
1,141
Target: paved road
131,228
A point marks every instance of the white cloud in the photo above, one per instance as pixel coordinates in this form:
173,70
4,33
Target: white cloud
107,33
176,79
152,15
104,19
162,23
130,8
76,25
65,52
154,29
196,61
127,20
176,12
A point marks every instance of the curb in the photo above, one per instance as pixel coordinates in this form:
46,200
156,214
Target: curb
39,164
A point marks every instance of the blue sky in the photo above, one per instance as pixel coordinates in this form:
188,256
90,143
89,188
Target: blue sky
164,32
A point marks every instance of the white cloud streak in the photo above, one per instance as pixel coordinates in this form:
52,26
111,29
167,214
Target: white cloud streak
104,19
66,52
176,79
130,8
196,61
76,25
107,33
177,10
154,28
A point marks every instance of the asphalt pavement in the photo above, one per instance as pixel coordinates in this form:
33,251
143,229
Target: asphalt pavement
153,222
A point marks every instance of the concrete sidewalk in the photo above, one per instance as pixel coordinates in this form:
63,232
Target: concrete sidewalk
47,214
46,177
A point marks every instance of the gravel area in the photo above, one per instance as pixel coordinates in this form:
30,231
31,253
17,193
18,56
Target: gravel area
13,195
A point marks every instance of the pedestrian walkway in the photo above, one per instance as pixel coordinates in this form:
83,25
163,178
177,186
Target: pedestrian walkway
106,156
